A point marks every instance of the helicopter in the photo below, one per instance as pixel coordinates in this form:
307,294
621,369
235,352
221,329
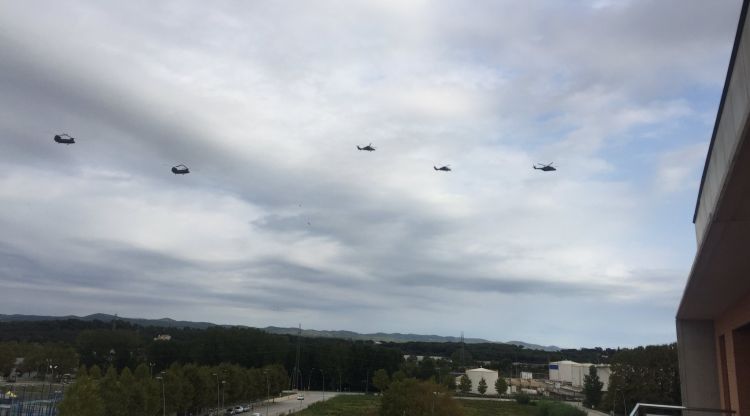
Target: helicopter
64,139
369,148
180,170
446,168
546,168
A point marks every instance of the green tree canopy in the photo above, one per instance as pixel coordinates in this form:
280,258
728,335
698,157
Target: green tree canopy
82,399
501,386
418,398
465,384
482,387
592,389
381,380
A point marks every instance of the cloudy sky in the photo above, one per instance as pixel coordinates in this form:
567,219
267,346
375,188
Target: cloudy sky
282,221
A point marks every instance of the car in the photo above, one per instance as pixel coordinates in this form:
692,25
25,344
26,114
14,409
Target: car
238,410
300,397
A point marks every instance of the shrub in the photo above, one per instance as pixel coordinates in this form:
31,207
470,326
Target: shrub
548,408
523,398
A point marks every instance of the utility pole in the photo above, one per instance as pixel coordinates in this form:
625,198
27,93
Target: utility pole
296,374
163,393
324,383
217,392
268,392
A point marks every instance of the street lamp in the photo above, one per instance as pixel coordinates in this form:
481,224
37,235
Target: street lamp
53,368
223,391
268,390
163,393
324,383
217,391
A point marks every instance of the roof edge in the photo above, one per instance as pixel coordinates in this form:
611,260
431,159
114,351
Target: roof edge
730,70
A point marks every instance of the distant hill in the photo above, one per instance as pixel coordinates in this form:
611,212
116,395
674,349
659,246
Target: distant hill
379,336
171,323
163,322
551,348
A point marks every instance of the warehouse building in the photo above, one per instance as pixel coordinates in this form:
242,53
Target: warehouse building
477,374
573,373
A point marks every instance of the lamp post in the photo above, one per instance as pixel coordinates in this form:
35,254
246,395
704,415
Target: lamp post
163,393
268,390
309,378
223,391
217,392
324,383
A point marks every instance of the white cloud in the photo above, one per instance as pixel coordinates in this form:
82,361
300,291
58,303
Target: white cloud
284,218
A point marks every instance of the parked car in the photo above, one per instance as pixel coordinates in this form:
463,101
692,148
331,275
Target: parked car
300,397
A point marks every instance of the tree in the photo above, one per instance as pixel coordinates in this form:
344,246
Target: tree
592,389
381,380
482,387
644,374
418,398
501,386
465,384
82,399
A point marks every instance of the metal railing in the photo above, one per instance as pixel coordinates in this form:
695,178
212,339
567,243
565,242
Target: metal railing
636,410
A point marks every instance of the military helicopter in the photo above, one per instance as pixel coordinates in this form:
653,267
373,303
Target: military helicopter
64,139
369,148
180,170
446,168
545,168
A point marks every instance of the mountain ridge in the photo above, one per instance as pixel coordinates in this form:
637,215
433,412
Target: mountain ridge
341,334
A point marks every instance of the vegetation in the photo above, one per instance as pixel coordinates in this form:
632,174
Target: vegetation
501,386
523,398
418,398
482,387
68,343
496,408
465,384
344,406
381,380
592,389
549,408
644,374
188,388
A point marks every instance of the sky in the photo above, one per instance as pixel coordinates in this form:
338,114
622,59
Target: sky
283,221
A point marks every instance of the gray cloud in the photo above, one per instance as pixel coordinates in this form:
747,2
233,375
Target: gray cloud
265,102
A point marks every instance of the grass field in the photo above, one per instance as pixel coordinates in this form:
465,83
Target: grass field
369,406
495,408
344,406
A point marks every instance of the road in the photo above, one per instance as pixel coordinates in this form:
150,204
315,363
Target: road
285,405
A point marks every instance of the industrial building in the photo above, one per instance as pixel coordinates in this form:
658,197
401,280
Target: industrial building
476,374
573,373
713,319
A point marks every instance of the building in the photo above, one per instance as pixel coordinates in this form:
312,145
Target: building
477,374
713,319
163,337
573,373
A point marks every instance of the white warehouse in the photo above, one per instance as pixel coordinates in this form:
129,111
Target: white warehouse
573,373
476,374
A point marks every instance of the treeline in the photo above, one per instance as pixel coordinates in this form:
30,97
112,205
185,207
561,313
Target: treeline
40,358
188,389
340,364
644,374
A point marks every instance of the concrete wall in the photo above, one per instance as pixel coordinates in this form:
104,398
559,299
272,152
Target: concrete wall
696,349
725,327
730,127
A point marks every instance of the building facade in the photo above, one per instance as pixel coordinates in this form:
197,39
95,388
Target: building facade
713,319
573,373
